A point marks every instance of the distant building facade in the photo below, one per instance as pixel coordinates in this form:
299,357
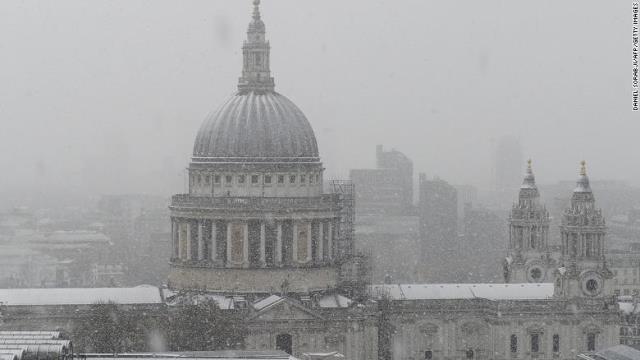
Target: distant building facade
388,189
439,240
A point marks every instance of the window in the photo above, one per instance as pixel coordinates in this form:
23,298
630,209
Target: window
303,179
556,343
591,342
469,353
284,342
292,179
536,274
242,179
216,179
228,179
592,285
199,179
317,178
267,179
535,343
514,344
428,355
616,292
311,179
280,179
254,179
207,180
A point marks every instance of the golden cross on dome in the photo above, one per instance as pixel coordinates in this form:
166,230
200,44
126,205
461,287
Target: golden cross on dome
583,167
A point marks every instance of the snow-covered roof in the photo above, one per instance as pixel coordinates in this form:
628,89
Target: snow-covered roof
323,356
80,296
268,301
334,301
629,307
619,352
463,291
176,298
197,355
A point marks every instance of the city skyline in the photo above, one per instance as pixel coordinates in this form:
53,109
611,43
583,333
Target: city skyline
159,69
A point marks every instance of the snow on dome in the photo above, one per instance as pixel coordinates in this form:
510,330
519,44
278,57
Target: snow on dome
256,125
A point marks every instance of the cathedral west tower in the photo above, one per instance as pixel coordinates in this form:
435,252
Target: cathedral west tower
584,269
529,257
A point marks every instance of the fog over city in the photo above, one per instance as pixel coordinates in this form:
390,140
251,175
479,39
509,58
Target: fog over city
319,180
107,96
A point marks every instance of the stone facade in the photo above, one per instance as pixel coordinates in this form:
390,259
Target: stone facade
484,329
583,270
256,218
529,256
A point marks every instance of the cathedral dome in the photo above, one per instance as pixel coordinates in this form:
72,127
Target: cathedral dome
257,123
254,125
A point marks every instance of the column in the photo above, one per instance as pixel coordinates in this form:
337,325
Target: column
295,242
228,264
309,242
200,239
214,243
245,245
189,253
180,240
174,238
320,249
262,244
279,244
330,240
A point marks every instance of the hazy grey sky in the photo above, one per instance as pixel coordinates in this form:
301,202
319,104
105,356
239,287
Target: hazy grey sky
107,96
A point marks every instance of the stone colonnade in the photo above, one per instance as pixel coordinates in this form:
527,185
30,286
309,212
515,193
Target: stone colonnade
254,243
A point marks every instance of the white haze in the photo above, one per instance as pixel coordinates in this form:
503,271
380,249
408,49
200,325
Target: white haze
107,96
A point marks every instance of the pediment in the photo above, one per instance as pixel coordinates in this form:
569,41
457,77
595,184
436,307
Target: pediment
286,310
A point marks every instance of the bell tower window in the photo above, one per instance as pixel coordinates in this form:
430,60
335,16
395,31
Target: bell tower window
591,342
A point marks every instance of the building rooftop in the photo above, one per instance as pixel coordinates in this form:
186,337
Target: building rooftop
225,354
463,291
80,296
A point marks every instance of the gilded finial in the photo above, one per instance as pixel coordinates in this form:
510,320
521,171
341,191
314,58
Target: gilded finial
529,164
583,168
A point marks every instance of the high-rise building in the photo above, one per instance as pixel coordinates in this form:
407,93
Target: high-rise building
529,255
438,213
507,163
388,189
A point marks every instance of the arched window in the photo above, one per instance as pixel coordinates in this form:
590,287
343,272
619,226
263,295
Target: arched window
556,343
513,345
428,355
284,342
470,353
